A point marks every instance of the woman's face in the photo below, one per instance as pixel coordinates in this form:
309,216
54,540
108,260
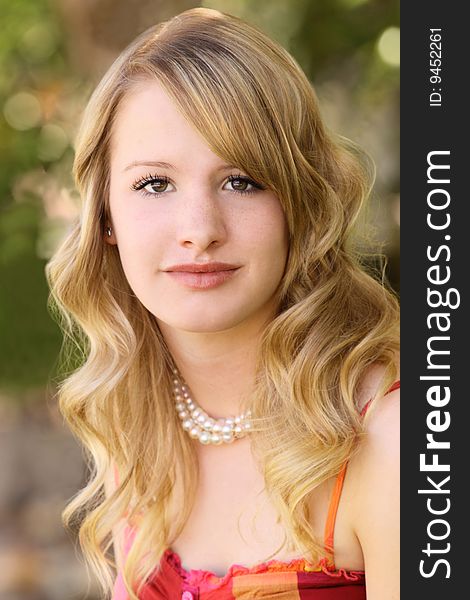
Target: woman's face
202,247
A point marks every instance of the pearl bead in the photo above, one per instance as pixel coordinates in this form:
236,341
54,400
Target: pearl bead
227,437
217,427
201,418
237,429
216,438
237,420
227,429
204,437
194,432
180,406
183,414
187,424
196,413
208,424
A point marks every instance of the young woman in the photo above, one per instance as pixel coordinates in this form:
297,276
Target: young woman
231,341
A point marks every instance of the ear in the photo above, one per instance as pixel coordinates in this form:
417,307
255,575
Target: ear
109,235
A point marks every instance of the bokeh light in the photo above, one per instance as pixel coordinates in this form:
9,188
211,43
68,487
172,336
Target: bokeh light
52,142
388,46
22,111
39,42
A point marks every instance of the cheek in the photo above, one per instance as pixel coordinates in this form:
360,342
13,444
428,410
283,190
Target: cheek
269,237
138,226
140,243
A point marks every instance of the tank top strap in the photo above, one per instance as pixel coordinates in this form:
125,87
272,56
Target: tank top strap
338,488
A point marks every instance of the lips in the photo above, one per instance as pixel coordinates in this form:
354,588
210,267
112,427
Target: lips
202,276
201,267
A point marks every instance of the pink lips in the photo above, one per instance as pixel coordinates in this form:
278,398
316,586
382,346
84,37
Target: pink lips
202,276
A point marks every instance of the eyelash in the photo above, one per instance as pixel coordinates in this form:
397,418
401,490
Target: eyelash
140,184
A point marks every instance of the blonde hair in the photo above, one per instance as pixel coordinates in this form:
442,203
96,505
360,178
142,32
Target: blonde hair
255,108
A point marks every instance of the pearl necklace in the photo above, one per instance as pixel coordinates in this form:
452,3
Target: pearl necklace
200,425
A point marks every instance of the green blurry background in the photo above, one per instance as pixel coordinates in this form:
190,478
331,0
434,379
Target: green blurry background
52,53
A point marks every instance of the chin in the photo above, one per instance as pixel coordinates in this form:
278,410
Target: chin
209,319
201,324
204,314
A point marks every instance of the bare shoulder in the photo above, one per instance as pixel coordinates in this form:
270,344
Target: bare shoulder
380,447
375,477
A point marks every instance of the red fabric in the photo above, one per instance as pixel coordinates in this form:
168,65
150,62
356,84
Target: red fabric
273,580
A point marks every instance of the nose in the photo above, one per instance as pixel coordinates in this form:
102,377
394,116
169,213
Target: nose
201,223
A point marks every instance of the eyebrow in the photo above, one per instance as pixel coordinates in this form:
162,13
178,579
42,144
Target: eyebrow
165,165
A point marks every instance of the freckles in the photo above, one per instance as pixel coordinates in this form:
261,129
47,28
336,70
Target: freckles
272,224
262,234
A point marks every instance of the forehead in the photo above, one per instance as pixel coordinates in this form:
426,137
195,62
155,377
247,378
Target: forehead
148,120
145,98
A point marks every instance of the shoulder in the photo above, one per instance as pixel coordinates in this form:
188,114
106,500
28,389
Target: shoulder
375,466
380,446
375,476
378,456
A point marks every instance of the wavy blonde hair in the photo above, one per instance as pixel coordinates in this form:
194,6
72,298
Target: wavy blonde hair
255,108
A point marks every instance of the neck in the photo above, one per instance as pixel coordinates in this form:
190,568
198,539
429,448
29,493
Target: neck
219,367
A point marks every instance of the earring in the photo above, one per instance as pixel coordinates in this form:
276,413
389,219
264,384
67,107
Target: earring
109,231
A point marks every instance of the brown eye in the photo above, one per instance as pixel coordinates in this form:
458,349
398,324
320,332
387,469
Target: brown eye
153,185
242,184
239,184
157,185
